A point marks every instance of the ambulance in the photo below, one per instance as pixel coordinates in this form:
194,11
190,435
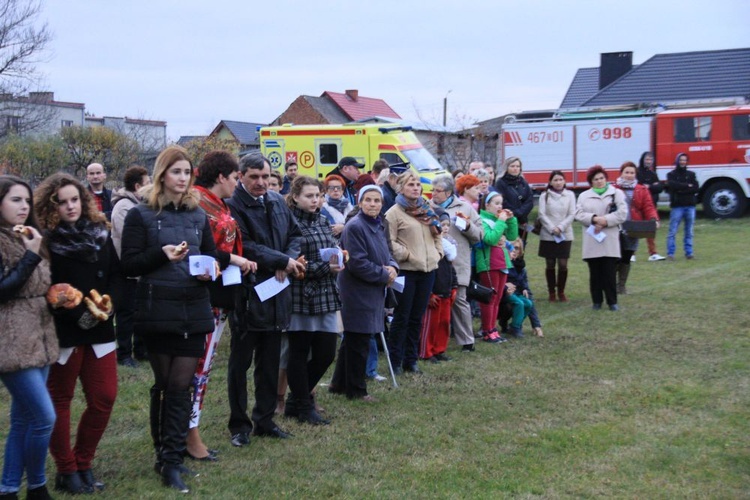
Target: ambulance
716,140
317,149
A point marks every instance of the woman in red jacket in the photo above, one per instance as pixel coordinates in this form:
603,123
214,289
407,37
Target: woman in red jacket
641,207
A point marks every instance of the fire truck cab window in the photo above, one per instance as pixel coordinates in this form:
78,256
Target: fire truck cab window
328,154
692,129
741,127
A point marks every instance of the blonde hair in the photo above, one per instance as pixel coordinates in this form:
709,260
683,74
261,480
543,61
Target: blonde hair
518,247
154,195
407,176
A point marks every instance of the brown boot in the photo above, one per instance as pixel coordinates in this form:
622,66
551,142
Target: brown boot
550,274
562,278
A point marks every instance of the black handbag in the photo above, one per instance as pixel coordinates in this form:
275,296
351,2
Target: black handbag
390,298
480,293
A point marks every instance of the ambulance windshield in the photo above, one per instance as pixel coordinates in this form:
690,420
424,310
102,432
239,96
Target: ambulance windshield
422,160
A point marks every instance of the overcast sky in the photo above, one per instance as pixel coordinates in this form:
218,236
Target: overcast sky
194,63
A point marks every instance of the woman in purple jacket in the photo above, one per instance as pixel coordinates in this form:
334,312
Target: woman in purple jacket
362,284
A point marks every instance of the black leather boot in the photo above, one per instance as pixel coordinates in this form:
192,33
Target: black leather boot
39,493
155,421
175,423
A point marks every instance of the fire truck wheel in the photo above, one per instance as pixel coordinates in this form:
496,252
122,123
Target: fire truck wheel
724,200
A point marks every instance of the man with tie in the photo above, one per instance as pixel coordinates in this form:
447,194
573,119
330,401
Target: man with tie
270,237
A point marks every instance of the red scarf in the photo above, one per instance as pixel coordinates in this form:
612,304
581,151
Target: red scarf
224,228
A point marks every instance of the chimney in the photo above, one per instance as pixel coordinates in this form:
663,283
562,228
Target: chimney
613,65
41,96
352,94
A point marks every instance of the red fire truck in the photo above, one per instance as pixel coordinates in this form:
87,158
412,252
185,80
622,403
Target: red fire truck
716,139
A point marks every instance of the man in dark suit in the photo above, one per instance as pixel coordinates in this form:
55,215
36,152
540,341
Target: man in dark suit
270,237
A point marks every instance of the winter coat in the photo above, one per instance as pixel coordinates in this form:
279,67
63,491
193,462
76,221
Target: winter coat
104,275
591,204
270,237
363,281
518,276
169,301
683,188
465,240
317,293
557,210
494,230
650,179
517,196
122,202
389,198
27,330
414,246
106,197
641,205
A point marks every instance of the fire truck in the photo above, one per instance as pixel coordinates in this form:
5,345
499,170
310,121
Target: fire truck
317,149
716,140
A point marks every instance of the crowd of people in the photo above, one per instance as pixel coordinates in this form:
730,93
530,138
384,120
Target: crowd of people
92,280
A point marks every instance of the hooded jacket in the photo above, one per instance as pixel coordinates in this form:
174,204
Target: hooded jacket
682,185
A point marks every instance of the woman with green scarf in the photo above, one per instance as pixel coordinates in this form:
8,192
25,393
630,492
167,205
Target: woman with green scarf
601,210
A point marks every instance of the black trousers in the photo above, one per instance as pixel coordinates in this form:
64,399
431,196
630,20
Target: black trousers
263,348
129,343
349,374
603,279
310,355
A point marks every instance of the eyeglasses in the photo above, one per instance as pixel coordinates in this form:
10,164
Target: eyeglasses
335,188
435,190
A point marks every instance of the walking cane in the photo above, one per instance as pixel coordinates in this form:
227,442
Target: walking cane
390,366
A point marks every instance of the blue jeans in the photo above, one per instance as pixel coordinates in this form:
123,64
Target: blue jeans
372,358
675,217
32,417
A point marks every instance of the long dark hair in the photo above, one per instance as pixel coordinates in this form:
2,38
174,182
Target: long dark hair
554,174
298,184
46,203
7,182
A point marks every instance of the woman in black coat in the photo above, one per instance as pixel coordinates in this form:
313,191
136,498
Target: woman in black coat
81,255
173,309
517,194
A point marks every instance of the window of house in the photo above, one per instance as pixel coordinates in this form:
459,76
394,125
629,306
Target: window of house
328,154
741,127
66,123
12,123
692,129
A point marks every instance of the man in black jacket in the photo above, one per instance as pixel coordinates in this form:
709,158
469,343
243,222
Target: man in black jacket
683,188
271,237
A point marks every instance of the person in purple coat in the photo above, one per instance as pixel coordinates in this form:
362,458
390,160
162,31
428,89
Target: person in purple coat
362,285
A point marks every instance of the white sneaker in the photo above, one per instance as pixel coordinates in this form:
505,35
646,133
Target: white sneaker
656,257
379,378
632,258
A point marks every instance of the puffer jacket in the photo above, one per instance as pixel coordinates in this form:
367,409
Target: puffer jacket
27,330
169,301
270,237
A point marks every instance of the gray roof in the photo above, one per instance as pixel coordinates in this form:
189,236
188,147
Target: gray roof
584,85
246,133
185,139
327,108
683,76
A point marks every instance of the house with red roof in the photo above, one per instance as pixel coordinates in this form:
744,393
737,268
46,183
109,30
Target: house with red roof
334,107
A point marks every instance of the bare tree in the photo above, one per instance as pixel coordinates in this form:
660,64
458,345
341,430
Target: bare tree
22,43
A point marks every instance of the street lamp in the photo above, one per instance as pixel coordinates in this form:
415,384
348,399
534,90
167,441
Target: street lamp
445,108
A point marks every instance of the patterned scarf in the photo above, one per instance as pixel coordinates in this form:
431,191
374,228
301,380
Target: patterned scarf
223,226
420,210
80,241
339,204
623,184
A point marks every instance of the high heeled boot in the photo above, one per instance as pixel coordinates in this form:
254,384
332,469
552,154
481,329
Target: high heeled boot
550,274
174,429
562,279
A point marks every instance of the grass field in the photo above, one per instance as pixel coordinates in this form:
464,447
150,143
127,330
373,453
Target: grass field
650,402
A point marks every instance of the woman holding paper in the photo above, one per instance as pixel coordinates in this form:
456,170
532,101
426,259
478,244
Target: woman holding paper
216,178
557,206
173,312
601,210
315,320
83,257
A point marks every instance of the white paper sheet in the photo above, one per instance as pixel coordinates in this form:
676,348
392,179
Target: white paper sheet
65,353
102,350
202,264
327,253
270,287
398,285
232,275
460,224
559,238
599,237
